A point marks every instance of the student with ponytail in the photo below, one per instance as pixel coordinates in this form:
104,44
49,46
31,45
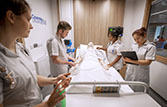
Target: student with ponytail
146,52
114,47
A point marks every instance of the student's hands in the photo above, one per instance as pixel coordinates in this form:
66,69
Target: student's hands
73,59
128,60
43,81
109,65
64,79
72,63
62,82
102,48
98,48
55,96
140,62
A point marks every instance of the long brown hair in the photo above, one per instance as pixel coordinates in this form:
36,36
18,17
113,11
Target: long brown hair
18,7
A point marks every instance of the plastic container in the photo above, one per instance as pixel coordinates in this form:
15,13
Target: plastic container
62,103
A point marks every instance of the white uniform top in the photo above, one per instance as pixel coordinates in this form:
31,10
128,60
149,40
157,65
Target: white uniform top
25,92
113,50
141,72
57,48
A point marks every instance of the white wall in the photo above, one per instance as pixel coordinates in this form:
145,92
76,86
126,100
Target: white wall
133,17
41,32
66,14
55,19
158,75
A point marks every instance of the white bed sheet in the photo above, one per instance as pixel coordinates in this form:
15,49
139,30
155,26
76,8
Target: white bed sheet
90,70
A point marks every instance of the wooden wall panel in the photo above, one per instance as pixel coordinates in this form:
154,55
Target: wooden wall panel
146,13
93,17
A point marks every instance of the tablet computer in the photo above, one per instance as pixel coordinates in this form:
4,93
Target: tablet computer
130,54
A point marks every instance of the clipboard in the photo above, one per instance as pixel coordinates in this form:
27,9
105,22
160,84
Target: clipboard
130,54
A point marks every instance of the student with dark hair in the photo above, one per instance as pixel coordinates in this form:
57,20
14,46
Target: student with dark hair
113,48
146,52
19,83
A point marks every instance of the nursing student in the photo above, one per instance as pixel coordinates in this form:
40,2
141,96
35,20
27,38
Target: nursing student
146,52
57,50
19,83
113,48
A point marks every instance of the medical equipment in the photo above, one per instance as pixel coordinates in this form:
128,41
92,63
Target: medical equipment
70,50
105,89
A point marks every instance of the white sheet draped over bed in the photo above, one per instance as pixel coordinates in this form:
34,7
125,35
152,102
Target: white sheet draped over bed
91,70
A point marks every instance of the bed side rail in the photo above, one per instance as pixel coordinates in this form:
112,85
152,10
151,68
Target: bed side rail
131,83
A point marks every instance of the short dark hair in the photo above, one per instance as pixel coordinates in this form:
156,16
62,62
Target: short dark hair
115,31
63,25
18,7
141,32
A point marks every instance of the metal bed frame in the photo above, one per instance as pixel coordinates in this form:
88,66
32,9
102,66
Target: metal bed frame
131,83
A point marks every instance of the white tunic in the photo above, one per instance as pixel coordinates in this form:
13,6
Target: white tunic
141,72
113,50
25,92
56,47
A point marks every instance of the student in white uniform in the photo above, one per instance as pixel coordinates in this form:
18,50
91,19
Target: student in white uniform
19,83
146,52
113,48
57,50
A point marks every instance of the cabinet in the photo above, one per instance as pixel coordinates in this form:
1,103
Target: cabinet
157,28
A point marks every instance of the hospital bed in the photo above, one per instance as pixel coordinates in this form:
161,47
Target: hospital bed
91,72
